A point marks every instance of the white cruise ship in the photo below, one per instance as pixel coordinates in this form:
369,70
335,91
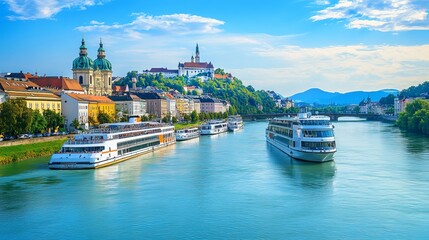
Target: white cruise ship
214,127
305,137
186,134
112,143
235,123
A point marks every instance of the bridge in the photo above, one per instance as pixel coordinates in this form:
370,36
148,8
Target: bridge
333,116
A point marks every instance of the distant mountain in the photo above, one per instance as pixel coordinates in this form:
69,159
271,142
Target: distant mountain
318,96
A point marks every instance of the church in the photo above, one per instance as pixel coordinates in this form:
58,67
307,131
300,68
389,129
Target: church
196,68
95,77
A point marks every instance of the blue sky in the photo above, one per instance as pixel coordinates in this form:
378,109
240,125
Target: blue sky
285,46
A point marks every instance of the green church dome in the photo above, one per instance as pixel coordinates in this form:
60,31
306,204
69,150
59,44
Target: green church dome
102,64
83,61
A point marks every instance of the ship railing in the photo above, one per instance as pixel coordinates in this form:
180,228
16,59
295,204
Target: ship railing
85,141
83,152
318,149
127,128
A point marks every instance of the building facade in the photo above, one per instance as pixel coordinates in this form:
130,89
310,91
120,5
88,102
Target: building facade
129,105
35,97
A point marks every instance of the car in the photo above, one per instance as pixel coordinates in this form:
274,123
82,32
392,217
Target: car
38,135
9,138
23,136
46,134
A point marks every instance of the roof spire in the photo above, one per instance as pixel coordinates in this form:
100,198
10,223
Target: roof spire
197,54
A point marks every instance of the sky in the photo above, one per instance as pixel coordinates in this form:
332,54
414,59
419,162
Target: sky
287,46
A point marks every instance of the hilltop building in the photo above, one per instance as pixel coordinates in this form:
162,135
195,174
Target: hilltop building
94,76
196,68
168,73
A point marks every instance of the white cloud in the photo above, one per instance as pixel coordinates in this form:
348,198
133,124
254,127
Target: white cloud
42,9
94,22
181,24
385,16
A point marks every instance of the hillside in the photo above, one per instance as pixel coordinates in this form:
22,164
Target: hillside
318,96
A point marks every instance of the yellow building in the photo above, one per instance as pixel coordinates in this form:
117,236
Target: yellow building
96,105
35,97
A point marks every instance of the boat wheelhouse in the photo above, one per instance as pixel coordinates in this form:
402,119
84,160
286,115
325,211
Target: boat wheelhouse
305,137
235,123
186,134
112,143
214,127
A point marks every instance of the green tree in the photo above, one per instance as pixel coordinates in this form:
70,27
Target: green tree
75,123
104,118
39,122
174,120
15,117
416,117
53,120
194,117
165,119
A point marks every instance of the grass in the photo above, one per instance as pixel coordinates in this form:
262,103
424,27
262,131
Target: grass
179,126
26,151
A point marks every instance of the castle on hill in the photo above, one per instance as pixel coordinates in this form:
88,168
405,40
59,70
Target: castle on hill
190,69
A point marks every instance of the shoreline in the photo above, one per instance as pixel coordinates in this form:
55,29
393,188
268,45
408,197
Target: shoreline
21,150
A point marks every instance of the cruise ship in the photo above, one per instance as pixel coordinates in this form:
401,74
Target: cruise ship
235,123
214,127
186,134
112,143
304,137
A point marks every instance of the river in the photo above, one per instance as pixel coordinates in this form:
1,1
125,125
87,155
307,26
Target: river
230,186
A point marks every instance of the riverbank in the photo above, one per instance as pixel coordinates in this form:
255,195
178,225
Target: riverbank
23,150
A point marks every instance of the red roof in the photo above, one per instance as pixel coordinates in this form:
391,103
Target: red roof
57,83
90,98
12,85
222,76
197,65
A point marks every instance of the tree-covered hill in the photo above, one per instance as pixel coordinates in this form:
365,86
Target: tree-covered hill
415,91
243,99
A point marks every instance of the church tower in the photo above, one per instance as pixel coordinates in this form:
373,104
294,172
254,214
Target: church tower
197,54
83,68
103,73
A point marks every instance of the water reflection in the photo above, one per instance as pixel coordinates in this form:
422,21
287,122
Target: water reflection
415,143
307,174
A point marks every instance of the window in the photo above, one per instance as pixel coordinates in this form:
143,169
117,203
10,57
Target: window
43,106
90,79
80,80
30,105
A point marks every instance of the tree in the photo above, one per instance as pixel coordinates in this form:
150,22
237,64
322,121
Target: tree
174,120
165,119
104,118
388,100
39,122
416,117
53,120
194,117
75,123
15,117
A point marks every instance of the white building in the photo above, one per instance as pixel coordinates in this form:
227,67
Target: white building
74,109
193,68
167,73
